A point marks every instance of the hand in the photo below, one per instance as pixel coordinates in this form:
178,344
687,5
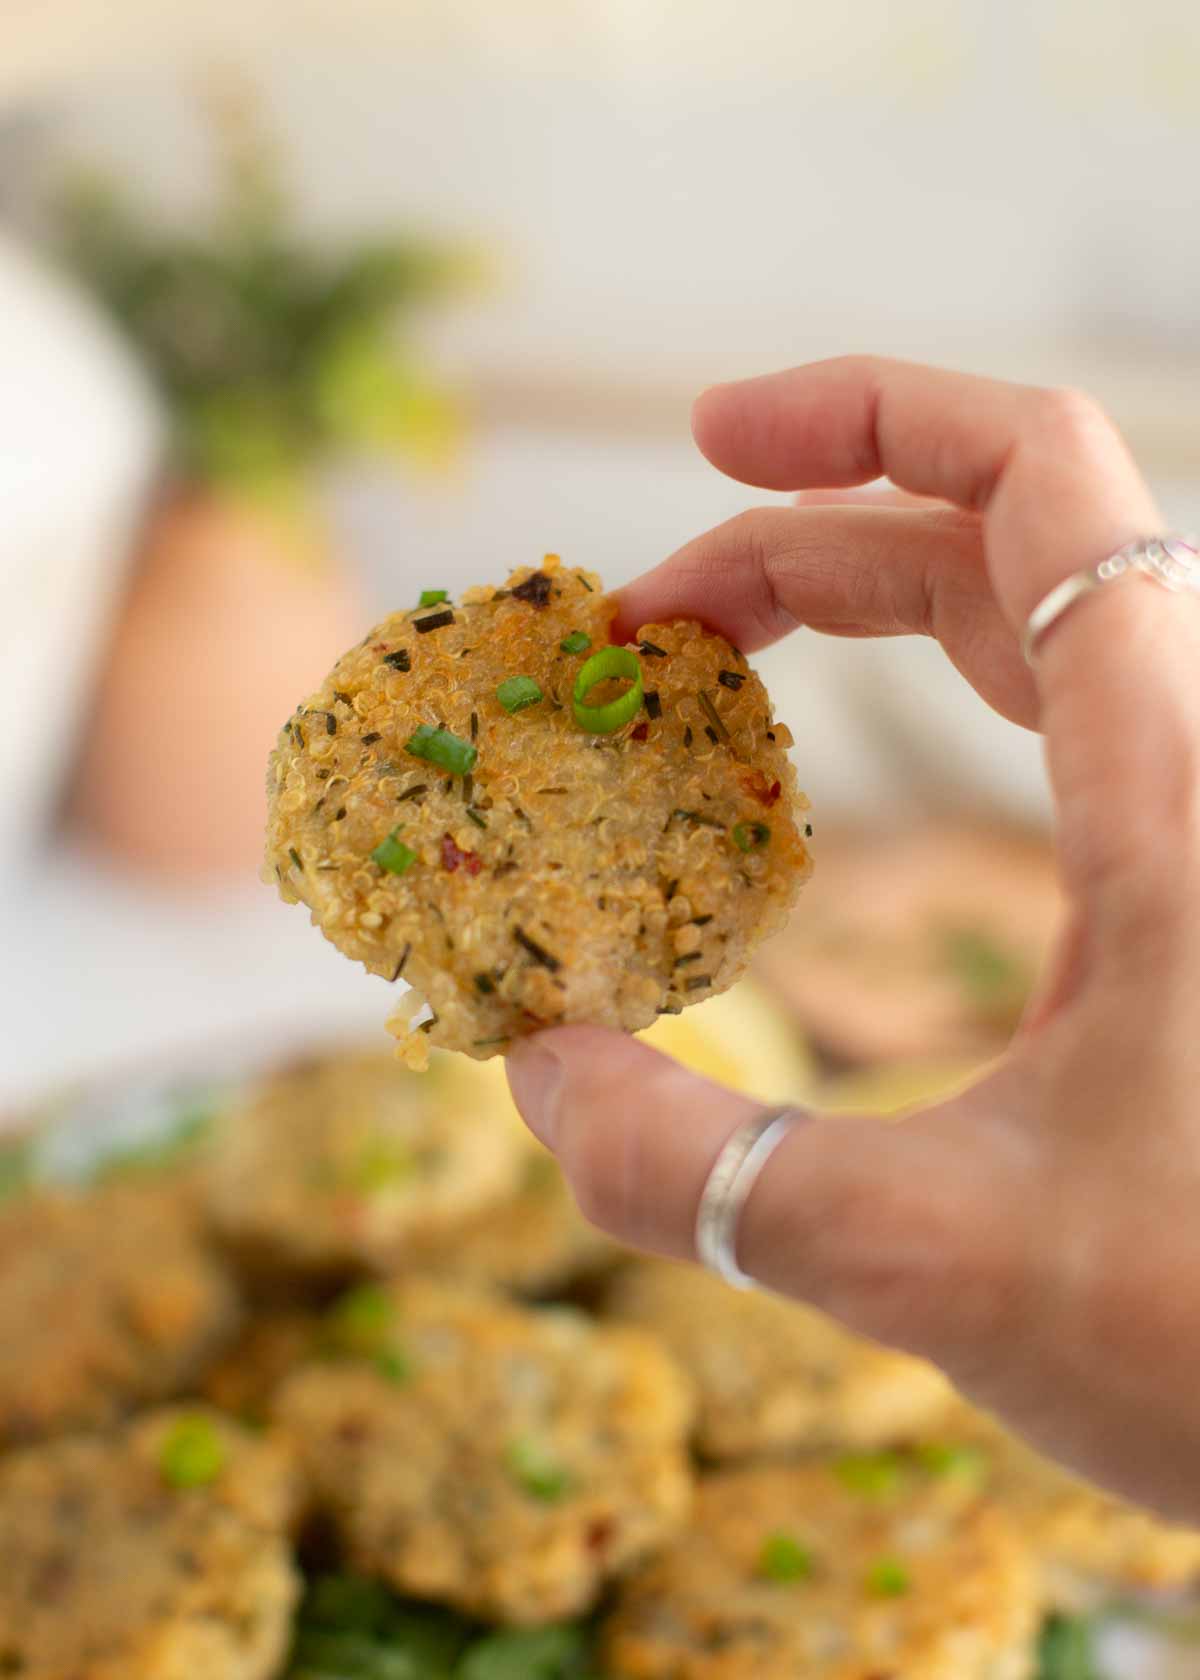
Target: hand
1039,1236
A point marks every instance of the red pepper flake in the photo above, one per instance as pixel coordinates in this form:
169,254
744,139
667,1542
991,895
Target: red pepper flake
600,1534
757,787
453,855
640,733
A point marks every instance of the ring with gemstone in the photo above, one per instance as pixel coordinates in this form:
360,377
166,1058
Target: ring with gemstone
734,1174
1173,562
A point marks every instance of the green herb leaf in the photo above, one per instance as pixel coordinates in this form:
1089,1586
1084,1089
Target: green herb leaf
888,1578
952,1458
577,642
784,1559
1067,1650
433,597
873,1475
750,836
515,693
532,1465
440,747
192,1454
551,1653
392,855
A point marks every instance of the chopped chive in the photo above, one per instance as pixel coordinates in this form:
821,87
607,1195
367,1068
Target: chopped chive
536,1470
577,642
515,693
433,597
435,621
404,956
330,724
585,583
731,679
339,814
370,739
412,792
671,1007
539,953
874,1475
393,1365
888,1578
295,857
697,982
392,855
401,660
652,703
442,748
951,1458
609,662
688,957
535,590
476,817
344,698
750,836
808,829
474,726
784,1559
697,817
713,715
687,735
501,1038
701,921
192,1454
653,650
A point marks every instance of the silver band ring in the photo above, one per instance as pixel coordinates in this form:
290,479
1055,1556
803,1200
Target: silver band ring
1173,562
734,1174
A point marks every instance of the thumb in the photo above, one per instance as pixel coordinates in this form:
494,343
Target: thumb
916,1233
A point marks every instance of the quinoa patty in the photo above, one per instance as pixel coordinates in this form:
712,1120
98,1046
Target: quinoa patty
787,1574
773,1376
131,1558
533,873
504,1461
342,1162
108,1299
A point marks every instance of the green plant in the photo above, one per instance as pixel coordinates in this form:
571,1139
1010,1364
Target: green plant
273,353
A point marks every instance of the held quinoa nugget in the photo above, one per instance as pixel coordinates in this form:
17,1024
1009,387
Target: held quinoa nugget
503,1461
159,1553
788,1574
342,1162
533,828
771,1375
108,1299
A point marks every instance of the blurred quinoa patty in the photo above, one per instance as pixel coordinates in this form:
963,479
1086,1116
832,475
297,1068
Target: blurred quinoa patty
533,828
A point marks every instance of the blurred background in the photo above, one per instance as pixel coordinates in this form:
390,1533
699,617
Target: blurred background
305,308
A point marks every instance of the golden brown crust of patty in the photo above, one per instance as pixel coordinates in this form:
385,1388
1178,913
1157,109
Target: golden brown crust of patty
1086,1539
108,1299
342,1162
572,877
110,1573
707,1609
515,1463
773,1376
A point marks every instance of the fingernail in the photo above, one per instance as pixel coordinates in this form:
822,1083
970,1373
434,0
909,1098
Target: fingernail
536,1078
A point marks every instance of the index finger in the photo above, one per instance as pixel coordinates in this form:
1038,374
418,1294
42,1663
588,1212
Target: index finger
1057,491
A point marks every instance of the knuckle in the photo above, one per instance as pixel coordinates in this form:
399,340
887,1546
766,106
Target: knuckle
1068,416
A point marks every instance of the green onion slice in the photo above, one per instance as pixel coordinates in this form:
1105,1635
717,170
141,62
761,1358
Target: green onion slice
888,1578
577,642
392,855
362,1319
433,597
784,1559
534,1468
515,693
874,1475
192,1453
608,663
750,836
440,747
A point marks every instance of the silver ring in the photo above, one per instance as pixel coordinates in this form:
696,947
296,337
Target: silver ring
734,1174
1173,562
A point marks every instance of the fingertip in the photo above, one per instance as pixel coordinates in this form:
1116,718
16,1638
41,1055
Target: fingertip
709,417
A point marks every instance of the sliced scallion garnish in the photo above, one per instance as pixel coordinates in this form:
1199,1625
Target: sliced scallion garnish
784,1559
392,855
536,1470
888,1578
192,1453
608,664
515,693
576,642
750,836
442,748
433,597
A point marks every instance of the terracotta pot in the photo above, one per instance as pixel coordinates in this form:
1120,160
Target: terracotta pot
227,624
